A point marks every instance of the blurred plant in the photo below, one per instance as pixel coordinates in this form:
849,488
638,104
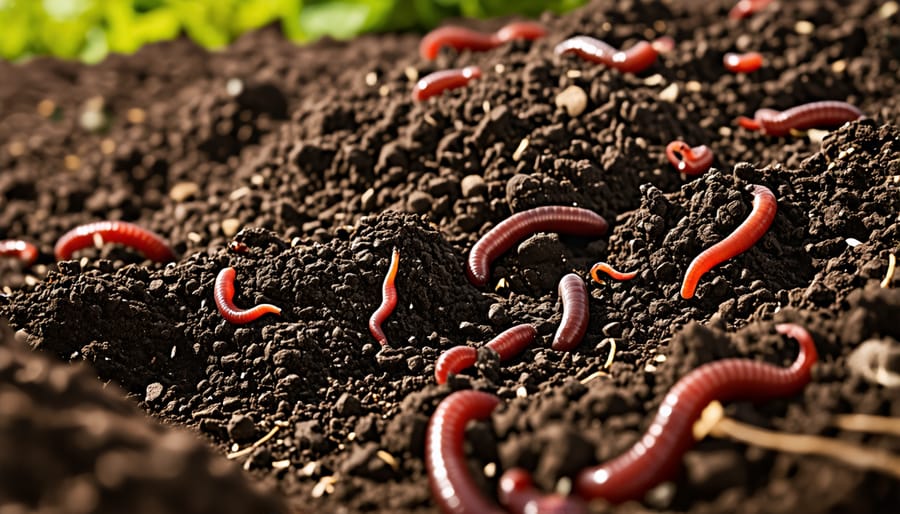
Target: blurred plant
89,29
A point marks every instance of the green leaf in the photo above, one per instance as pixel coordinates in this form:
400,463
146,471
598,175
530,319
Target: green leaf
339,19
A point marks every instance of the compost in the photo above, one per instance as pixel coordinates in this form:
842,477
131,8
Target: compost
304,168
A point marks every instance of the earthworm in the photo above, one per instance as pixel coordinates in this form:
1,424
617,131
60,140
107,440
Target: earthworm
656,456
22,250
507,345
460,38
551,218
519,496
612,272
574,298
636,59
519,30
453,361
815,114
151,245
743,63
736,243
440,81
452,487
745,8
388,300
224,296
693,161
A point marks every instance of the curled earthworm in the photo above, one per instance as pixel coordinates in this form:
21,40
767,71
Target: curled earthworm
693,161
22,250
440,81
453,361
745,8
98,233
553,218
612,272
508,344
656,456
739,241
743,63
448,474
519,496
814,114
634,60
574,298
388,300
224,296
460,38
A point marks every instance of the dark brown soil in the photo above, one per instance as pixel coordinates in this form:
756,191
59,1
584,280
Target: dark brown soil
322,160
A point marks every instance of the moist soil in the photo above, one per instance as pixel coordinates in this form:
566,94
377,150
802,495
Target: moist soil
318,160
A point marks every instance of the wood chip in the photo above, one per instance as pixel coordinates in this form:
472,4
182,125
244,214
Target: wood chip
523,145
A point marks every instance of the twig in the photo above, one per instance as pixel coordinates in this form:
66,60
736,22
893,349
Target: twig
892,267
867,423
841,451
246,451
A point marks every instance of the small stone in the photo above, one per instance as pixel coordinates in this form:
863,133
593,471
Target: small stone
241,428
473,185
804,27
231,226
670,93
419,202
573,99
348,405
154,391
183,190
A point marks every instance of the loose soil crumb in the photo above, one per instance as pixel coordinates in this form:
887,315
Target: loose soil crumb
304,167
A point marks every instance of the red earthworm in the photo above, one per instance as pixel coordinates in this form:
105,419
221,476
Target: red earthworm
636,59
453,361
512,341
552,218
440,81
223,293
519,496
460,38
693,161
745,8
612,272
743,63
520,30
739,241
508,344
656,456
815,114
388,300
574,298
151,245
452,487
22,250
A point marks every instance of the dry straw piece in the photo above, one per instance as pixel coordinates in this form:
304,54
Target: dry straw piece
714,422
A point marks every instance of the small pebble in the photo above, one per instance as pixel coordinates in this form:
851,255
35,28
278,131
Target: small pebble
473,185
573,99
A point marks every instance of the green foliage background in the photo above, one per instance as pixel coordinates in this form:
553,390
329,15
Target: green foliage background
89,29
